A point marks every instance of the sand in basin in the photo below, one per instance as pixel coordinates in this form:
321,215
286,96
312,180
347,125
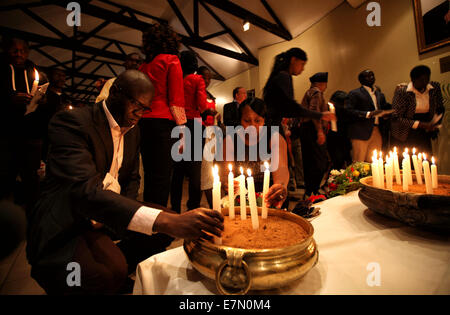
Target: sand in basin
274,232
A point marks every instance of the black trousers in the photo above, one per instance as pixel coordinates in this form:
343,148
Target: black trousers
156,146
315,158
191,169
20,156
339,147
103,265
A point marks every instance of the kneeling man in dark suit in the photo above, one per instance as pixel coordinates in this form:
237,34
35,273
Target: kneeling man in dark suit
89,198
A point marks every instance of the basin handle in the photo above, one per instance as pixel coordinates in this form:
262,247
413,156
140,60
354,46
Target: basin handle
236,263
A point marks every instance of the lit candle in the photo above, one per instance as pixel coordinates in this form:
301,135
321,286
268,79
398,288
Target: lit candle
265,190
427,175
242,195
216,197
398,178
408,165
252,200
35,82
416,168
375,172
333,123
389,173
381,170
405,176
419,161
231,192
434,174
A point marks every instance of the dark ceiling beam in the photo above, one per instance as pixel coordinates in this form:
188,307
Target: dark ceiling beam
273,15
196,19
109,39
89,60
44,23
230,32
56,61
21,5
59,43
216,75
120,48
214,35
181,18
134,12
234,9
108,15
111,69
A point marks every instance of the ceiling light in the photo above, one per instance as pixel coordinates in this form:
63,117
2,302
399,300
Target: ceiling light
246,26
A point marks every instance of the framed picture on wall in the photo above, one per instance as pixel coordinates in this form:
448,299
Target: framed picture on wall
432,24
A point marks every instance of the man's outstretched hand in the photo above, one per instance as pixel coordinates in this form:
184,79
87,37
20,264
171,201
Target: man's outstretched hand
190,225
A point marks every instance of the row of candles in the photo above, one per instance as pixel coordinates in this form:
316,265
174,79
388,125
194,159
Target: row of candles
392,169
242,193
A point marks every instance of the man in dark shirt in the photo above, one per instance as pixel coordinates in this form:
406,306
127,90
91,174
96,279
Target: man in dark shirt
231,110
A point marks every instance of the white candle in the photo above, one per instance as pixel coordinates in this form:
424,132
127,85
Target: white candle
419,161
381,170
397,167
434,174
427,175
408,165
389,173
405,176
375,172
252,200
242,195
333,123
35,82
265,190
416,168
216,197
231,192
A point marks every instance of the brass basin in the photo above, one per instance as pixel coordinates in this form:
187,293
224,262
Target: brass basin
236,271
418,210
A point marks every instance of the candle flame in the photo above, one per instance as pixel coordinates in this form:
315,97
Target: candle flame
406,150
230,167
331,105
433,160
249,172
36,75
424,157
414,151
242,170
395,150
381,155
266,165
420,156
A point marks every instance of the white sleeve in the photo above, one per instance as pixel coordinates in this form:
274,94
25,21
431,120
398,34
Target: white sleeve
143,220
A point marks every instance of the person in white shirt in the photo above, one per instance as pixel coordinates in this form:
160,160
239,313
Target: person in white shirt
418,107
367,131
89,197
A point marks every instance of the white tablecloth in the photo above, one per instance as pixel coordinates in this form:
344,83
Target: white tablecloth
353,242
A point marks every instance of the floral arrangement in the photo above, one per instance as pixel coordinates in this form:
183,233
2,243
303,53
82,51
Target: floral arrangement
343,181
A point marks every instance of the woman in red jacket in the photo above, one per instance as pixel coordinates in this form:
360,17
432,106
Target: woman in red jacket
195,104
160,46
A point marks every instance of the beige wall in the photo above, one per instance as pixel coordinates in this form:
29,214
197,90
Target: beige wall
343,44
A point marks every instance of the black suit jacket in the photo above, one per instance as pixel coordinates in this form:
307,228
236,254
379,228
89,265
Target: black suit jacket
231,114
360,102
404,104
80,156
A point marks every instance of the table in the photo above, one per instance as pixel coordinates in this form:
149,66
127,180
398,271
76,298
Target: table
360,252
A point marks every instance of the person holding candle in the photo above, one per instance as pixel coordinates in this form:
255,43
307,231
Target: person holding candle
20,141
366,130
313,136
81,187
279,90
416,104
253,114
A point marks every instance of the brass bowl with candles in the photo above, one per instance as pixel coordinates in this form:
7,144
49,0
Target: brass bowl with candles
236,271
413,208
